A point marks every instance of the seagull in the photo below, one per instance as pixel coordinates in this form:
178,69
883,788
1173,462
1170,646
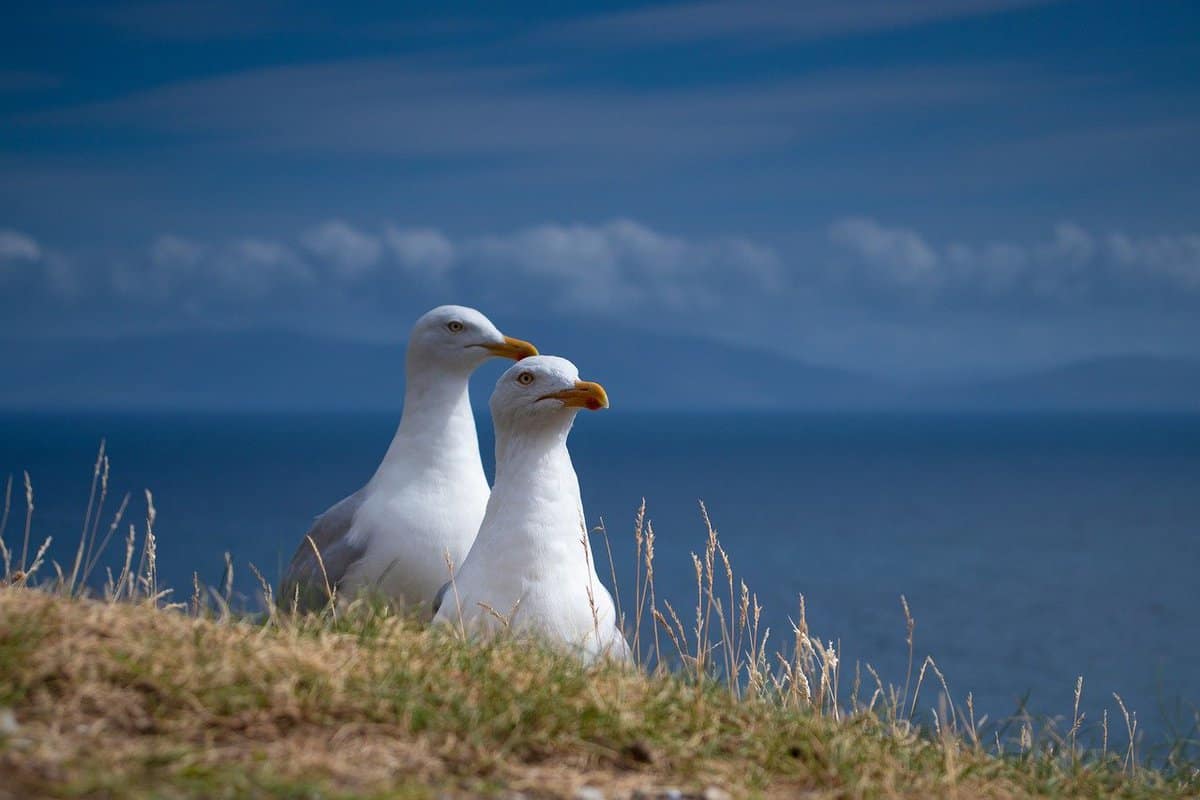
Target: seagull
420,511
531,567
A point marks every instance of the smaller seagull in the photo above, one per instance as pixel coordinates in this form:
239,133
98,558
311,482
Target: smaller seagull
531,567
425,502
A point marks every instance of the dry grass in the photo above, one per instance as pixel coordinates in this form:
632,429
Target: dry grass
134,700
126,696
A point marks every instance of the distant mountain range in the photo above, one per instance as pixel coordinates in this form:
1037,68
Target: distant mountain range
277,370
1114,383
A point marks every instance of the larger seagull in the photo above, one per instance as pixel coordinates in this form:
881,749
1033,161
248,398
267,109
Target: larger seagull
531,568
392,538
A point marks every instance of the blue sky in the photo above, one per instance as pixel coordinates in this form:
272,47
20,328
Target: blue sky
910,188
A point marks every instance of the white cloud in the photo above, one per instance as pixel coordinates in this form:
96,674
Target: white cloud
255,267
623,269
1073,265
176,253
177,269
625,264
174,260
581,260
17,246
997,266
1071,245
1175,259
900,255
422,250
22,257
617,267
351,253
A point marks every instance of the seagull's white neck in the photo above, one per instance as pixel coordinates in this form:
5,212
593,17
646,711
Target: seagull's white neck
437,427
536,490
531,448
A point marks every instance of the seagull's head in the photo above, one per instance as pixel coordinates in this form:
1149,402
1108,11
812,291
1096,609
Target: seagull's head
457,337
543,390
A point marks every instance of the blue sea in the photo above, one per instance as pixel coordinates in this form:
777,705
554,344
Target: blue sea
1032,549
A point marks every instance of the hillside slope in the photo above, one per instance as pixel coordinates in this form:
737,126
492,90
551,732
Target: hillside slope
121,700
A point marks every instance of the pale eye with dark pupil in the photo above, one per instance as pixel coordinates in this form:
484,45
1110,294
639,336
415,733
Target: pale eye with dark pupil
455,327
525,378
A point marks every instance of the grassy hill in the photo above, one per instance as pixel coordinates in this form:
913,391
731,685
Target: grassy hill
127,699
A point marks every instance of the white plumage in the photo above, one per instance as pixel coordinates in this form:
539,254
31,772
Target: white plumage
427,498
531,563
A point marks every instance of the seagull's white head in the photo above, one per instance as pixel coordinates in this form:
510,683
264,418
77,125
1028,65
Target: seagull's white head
543,391
457,337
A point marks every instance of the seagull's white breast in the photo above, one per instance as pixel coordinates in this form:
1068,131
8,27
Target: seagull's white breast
531,567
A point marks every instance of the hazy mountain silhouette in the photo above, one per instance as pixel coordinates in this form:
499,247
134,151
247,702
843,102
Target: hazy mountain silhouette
279,370
288,371
1113,383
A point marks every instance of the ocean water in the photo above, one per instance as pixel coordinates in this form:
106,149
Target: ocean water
1032,549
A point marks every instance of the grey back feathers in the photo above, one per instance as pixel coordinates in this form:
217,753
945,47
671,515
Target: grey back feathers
305,584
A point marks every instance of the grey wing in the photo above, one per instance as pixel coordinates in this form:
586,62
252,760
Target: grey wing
307,581
439,597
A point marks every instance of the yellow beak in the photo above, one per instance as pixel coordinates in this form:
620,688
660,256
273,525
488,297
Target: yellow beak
584,394
516,349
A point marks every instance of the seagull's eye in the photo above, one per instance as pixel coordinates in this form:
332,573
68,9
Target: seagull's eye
525,378
454,326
